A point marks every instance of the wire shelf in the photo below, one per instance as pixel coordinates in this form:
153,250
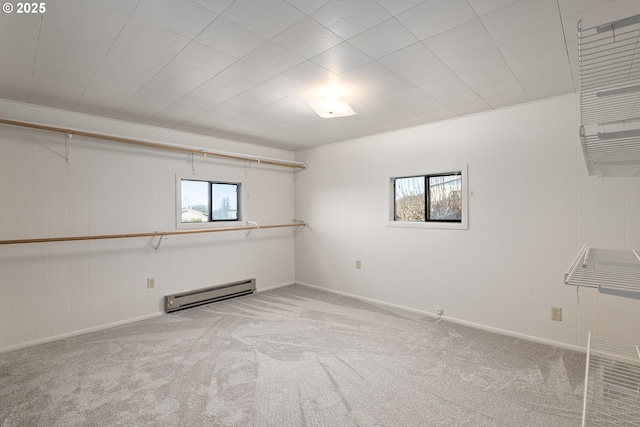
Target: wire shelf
614,272
612,384
609,79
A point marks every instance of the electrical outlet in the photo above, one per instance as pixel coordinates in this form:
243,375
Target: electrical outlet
358,264
556,314
439,311
151,283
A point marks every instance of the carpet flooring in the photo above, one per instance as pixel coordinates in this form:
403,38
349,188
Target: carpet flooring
294,356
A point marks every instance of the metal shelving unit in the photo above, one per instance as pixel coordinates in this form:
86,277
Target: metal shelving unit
612,374
612,385
609,96
613,272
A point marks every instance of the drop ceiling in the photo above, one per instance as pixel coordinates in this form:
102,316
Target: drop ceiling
246,70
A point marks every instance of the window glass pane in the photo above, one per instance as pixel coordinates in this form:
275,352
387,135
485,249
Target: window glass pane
225,201
410,199
195,201
445,198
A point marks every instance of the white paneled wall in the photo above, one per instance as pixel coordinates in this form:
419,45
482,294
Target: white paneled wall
532,207
55,289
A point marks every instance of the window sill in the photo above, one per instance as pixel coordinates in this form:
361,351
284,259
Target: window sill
431,225
206,225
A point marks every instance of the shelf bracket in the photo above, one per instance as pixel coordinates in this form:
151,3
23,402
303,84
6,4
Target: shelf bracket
297,229
194,164
252,224
160,239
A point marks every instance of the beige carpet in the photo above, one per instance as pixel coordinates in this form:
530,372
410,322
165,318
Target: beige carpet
293,356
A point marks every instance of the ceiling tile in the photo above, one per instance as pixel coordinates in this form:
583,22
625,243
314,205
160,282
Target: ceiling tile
470,107
416,56
535,40
204,58
185,73
552,56
145,47
206,97
180,16
273,58
157,95
520,17
308,73
280,86
307,6
291,108
398,6
506,99
550,89
342,58
500,87
480,66
61,48
390,86
437,115
415,101
237,78
230,38
573,7
103,19
482,7
368,74
59,87
483,76
347,18
544,76
217,6
266,18
468,36
257,97
440,88
18,41
307,38
436,16
182,110
458,98
382,110
387,37
431,75
107,93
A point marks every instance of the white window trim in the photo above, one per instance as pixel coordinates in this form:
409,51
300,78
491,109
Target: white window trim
463,225
204,225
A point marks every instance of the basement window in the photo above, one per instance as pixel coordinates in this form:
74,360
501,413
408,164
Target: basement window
203,202
435,200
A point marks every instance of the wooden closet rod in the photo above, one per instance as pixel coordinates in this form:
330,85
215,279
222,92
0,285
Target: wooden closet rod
229,156
153,234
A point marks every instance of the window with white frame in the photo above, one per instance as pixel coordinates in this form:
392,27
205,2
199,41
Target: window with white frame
434,200
206,201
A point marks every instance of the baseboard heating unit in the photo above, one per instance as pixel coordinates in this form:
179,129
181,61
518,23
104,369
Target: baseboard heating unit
206,295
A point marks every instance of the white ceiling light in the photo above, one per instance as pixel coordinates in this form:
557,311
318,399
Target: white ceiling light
332,105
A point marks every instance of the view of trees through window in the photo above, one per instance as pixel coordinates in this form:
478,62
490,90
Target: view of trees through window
428,198
205,201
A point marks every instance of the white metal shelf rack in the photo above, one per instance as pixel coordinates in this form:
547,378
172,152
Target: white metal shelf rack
613,272
612,374
612,385
609,96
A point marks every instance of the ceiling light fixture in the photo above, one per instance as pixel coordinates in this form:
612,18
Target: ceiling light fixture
332,105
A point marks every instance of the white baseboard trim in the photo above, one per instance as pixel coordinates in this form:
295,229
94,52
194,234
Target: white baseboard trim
79,332
269,288
455,320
